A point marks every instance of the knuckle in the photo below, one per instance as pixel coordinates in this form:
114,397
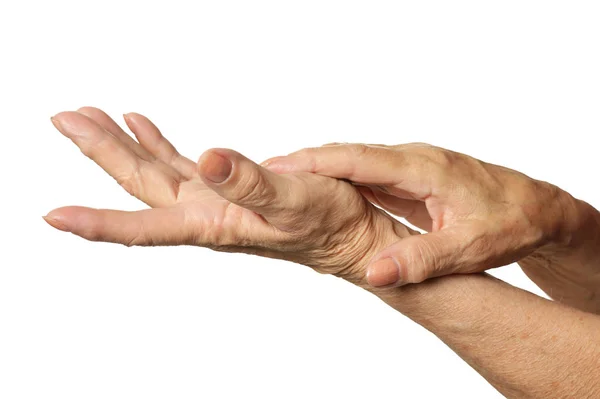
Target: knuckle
254,190
550,191
440,164
305,152
95,144
131,241
415,146
358,150
129,182
92,234
543,206
139,238
421,262
440,157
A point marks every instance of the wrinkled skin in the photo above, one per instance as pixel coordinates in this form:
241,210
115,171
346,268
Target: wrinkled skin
478,215
314,220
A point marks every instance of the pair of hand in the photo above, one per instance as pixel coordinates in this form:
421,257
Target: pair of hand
478,215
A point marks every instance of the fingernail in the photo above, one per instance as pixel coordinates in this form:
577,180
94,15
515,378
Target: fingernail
215,167
384,272
56,123
270,162
266,163
66,131
336,143
277,165
56,222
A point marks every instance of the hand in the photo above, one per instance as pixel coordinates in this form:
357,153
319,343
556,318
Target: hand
225,202
479,215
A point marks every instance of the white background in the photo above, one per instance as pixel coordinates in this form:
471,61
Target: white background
512,82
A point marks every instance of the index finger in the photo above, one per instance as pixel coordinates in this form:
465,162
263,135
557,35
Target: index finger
363,164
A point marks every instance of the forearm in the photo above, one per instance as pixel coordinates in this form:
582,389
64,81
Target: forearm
524,345
568,270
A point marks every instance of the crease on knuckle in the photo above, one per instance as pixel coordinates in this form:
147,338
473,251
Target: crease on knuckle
358,150
441,157
131,180
310,157
139,238
255,190
423,255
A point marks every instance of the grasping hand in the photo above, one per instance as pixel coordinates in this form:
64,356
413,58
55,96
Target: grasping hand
479,215
225,202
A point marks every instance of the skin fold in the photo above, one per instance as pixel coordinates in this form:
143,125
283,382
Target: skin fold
479,215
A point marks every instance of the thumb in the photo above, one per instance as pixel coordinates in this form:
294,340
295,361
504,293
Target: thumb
419,257
242,182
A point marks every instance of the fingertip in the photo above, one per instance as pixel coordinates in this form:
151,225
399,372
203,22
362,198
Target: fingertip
384,273
65,121
56,220
135,124
215,166
88,110
129,121
71,216
56,122
131,116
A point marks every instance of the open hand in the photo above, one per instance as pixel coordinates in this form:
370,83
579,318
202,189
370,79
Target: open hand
225,202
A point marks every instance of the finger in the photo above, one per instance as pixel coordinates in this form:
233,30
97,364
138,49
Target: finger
160,226
152,140
243,182
106,122
138,177
367,192
167,226
361,164
414,211
419,257
335,143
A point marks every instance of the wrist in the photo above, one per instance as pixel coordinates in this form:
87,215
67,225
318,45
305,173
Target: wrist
576,223
569,257
557,219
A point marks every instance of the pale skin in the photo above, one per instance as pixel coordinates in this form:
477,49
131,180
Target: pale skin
524,345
